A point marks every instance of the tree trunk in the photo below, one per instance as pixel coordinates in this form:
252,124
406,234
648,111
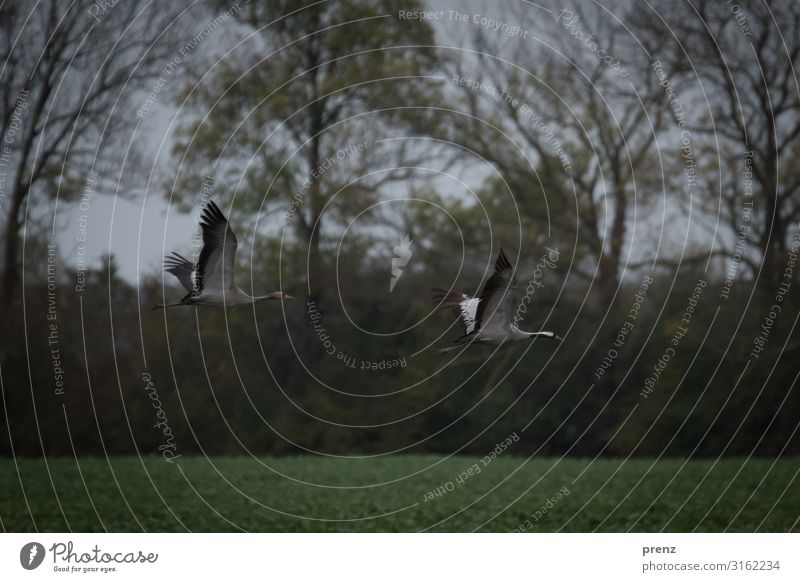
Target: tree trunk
20,190
11,248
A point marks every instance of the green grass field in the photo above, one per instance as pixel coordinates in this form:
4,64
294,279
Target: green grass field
393,494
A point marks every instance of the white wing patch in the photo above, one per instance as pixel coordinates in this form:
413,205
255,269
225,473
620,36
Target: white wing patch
469,311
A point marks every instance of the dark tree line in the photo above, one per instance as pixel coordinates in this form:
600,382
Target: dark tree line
341,117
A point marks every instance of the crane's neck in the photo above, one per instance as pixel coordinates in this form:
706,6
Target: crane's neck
520,334
547,334
276,296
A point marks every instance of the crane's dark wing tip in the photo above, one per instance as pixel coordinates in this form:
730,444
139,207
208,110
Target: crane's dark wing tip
502,276
176,260
443,299
439,296
211,214
502,264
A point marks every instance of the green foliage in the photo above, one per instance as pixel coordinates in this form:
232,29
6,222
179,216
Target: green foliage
314,494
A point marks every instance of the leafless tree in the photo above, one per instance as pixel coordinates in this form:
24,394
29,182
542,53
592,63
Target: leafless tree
737,63
67,74
570,116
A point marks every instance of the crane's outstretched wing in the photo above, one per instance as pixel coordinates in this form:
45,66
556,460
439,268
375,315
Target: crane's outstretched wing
182,268
464,306
215,265
495,306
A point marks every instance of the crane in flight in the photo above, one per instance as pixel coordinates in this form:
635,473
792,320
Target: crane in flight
210,281
487,318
